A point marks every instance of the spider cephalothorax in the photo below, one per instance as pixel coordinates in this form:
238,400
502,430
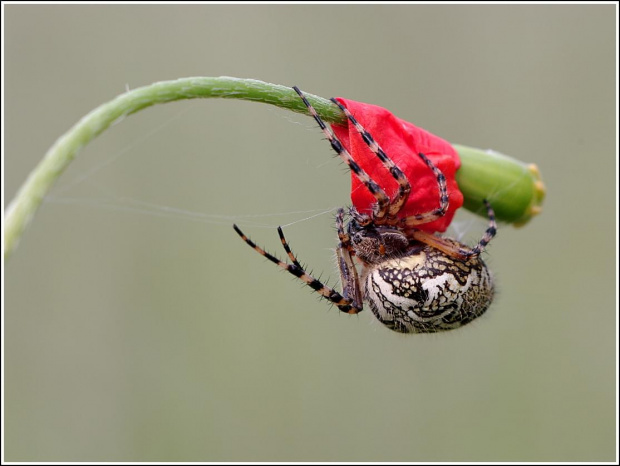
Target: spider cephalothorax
413,281
373,244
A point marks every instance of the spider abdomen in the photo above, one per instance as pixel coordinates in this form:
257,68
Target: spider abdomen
428,291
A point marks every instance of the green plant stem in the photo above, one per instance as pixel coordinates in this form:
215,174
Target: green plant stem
473,174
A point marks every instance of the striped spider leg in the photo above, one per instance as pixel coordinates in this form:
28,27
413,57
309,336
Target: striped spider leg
413,281
344,304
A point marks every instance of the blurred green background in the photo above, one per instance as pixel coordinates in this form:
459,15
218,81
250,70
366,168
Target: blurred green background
154,337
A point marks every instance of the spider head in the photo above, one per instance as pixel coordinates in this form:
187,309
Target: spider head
375,244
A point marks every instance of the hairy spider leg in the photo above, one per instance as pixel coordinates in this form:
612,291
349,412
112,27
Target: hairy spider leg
404,187
453,248
349,277
444,202
383,200
287,248
344,304
489,233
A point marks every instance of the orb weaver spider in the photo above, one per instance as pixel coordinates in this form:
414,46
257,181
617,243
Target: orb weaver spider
413,281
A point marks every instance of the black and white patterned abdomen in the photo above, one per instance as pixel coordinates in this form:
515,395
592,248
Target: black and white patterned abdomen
428,291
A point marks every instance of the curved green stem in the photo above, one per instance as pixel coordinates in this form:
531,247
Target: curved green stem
473,177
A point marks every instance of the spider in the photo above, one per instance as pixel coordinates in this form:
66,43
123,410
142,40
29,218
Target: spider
413,281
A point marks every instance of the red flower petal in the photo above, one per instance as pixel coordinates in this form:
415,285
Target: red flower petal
402,142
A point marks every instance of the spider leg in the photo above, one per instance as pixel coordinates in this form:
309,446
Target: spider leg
344,304
349,277
444,202
383,200
404,188
449,247
453,248
287,248
489,233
